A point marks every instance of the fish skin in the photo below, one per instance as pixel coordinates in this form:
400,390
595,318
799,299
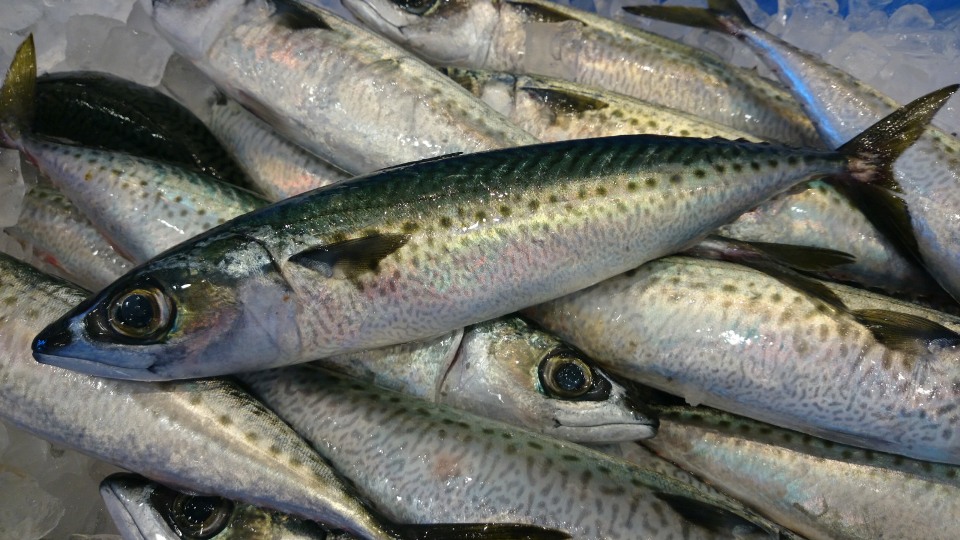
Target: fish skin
739,340
817,215
305,77
819,489
62,236
839,104
145,510
480,235
591,50
258,458
421,462
492,369
107,112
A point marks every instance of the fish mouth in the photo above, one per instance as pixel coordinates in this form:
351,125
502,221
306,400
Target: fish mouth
57,345
616,432
118,506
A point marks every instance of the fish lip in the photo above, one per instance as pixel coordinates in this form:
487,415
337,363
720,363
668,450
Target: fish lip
618,432
97,369
116,505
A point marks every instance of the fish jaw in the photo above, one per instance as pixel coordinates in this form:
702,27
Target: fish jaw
127,502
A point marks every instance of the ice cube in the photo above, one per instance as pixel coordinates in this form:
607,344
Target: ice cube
26,511
911,17
50,38
134,54
19,14
860,55
189,86
86,35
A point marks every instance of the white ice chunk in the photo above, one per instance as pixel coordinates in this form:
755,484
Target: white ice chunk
62,10
871,21
139,19
86,35
50,39
19,14
860,55
911,17
814,29
189,86
27,512
133,54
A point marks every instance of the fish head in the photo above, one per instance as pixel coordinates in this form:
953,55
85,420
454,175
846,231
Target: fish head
511,371
197,310
444,32
191,26
142,509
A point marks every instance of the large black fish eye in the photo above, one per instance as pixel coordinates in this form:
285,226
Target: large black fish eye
197,518
565,375
140,313
416,7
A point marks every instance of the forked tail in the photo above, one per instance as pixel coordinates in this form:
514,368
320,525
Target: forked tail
17,94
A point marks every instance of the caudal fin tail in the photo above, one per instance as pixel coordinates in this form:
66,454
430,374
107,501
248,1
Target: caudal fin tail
721,15
18,93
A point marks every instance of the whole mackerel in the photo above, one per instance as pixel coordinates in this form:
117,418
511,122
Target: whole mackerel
840,363
332,87
204,436
817,488
422,462
508,371
920,204
547,38
419,250
818,215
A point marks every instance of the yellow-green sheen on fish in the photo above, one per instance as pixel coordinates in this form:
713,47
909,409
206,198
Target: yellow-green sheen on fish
422,249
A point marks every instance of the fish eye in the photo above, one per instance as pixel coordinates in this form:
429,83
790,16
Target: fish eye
140,313
197,518
416,7
565,375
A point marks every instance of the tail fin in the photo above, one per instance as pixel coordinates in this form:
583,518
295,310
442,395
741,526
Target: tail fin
722,15
17,94
479,531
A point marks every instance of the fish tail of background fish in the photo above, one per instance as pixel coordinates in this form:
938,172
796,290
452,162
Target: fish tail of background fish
16,106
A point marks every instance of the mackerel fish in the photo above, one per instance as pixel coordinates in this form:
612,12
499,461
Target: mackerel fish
835,362
61,236
817,488
422,462
205,436
332,87
145,510
920,204
510,36
277,168
418,250
818,215
115,190
508,371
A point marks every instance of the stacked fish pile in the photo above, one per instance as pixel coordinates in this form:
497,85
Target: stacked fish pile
478,196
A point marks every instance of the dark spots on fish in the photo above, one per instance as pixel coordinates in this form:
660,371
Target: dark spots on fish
487,431
295,462
720,168
793,160
653,124
723,424
90,161
826,443
582,193
754,165
463,425
441,433
947,433
553,199
89,176
824,332
195,399
728,288
461,212
604,470
951,473
635,482
274,450
675,179
807,158
445,221
570,457
700,173
422,411
650,182
224,420
511,449
787,437
505,211
415,261
535,445
601,191
116,172
10,300
846,454
201,212
737,167
773,163
684,133
614,490
481,215
632,186
410,227
533,205
568,207
32,313
776,298
926,466
743,428
251,436
506,435
887,360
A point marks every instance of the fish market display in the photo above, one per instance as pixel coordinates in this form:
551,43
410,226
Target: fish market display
816,488
420,461
330,86
818,216
546,38
366,254
509,371
920,203
866,374
226,442
145,510
423,249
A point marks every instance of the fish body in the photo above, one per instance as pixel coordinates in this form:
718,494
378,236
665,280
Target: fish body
744,341
330,86
63,237
419,250
105,111
506,370
145,510
422,461
545,38
925,177
817,488
817,215
205,436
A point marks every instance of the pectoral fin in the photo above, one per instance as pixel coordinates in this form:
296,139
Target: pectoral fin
350,258
905,332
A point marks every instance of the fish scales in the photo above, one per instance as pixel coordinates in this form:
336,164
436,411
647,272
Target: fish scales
422,461
225,441
739,340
